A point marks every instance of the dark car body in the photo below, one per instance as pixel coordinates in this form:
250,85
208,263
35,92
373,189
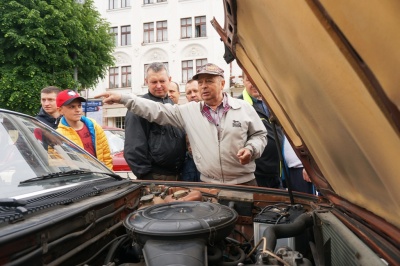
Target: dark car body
328,72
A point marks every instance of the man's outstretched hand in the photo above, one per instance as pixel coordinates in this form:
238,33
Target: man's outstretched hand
109,97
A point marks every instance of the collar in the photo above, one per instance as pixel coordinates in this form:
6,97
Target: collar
64,122
225,104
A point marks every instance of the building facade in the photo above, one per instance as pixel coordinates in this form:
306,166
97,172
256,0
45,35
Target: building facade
176,32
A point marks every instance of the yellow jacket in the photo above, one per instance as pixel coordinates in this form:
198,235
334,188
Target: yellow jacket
99,138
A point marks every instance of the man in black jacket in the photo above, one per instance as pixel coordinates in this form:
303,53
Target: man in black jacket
48,113
268,165
153,151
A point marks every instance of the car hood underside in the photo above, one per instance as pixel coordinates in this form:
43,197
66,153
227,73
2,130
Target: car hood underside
329,72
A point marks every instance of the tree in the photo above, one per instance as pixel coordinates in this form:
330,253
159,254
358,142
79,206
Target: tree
42,42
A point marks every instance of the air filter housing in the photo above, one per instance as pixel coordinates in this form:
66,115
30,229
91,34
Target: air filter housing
181,220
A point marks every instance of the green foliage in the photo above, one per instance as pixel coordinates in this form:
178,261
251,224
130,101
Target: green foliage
42,42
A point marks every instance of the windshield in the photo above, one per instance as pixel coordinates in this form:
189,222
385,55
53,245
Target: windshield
30,149
116,139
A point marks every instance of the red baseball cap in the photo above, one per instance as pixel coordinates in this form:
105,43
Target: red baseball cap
67,96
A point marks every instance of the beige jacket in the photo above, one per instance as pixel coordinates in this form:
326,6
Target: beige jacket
215,156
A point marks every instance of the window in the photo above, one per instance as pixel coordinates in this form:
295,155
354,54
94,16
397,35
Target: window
145,69
125,35
186,28
200,62
113,77
114,32
187,70
126,76
146,2
148,32
125,3
162,33
120,121
200,26
112,4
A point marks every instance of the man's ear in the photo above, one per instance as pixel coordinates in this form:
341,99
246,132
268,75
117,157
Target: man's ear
145,81
223,83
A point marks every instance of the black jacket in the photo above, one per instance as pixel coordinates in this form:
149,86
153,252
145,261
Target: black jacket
268,165
151,148
47,119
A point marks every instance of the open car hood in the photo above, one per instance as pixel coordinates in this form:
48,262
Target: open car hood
328,70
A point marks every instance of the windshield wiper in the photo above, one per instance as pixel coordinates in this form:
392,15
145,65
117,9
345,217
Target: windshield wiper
9,202
67,173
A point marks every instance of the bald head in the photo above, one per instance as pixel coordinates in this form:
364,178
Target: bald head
173,92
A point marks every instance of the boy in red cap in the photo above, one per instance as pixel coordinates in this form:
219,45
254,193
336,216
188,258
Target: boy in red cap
82,130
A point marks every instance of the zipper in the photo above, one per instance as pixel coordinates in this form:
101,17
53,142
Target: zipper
219,146
220,157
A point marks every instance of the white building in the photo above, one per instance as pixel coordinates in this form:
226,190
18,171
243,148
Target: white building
176,32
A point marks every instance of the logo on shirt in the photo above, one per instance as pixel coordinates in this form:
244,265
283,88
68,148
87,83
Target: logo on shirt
236,124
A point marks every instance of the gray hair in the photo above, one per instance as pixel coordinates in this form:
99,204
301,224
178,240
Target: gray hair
157,67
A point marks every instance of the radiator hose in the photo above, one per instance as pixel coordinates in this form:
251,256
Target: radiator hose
274,232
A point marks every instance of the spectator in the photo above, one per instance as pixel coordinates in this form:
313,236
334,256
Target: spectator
225,134
192,91
154,151
84,131
48,113
299,179
173,92
189,171
268,165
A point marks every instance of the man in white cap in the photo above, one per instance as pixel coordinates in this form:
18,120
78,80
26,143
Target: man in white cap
226,134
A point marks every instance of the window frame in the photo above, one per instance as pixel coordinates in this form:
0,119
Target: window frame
126,76
113,4
148,32
126,35
114,32
163,30
113,75
200,62
200,28
120,122
187,70
125,3
187,28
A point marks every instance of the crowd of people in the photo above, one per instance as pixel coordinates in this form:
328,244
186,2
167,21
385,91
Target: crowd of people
62,110
213,137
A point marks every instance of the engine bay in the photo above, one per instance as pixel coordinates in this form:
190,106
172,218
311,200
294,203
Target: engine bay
185,226
192,225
